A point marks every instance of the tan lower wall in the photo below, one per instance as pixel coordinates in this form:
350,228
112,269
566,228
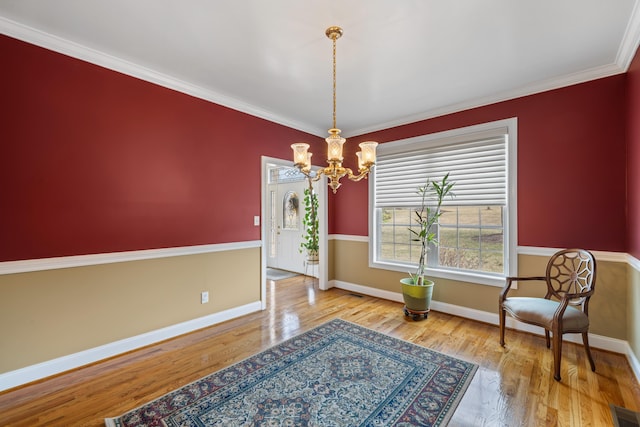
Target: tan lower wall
633,312
608,307
54,313
331,265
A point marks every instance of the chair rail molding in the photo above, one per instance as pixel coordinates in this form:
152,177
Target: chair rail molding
29,265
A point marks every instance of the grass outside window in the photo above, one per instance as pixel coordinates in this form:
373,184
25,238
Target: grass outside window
470,237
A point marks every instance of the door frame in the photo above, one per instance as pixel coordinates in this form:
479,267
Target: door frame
323,252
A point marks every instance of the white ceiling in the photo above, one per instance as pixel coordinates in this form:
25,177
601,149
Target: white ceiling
398,61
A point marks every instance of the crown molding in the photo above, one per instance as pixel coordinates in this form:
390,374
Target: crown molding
623,59
630,40
75,50
522,91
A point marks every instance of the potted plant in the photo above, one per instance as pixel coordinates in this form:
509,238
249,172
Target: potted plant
416,289
310,224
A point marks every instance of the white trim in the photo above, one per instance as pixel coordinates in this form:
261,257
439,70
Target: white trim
362,239
42,370
31,35
633,262
630,39
560,82
529,250
600,255
323,220
633,362
93,56
366,290
29,265
537,251
596,341
631,357
480,131
511,217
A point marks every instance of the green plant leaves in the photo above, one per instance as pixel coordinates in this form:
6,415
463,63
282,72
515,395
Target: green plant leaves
310,222
428,216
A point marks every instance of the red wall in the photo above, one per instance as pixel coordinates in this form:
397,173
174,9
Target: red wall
571,165
633,157
95,161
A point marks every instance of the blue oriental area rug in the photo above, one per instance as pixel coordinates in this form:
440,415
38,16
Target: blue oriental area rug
338,374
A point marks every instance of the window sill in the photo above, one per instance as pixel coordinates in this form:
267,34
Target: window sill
468,277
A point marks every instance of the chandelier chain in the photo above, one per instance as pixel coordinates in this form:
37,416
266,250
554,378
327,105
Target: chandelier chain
334,82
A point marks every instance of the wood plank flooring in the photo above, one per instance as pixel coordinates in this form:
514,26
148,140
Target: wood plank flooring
513,387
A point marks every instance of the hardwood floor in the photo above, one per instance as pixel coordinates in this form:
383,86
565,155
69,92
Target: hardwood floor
513,387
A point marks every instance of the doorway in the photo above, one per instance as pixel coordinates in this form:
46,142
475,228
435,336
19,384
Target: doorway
282,212
285,210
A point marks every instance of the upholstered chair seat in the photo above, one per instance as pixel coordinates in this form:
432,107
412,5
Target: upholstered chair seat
540,311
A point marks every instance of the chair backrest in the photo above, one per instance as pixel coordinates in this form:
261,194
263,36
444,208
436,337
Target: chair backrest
572,271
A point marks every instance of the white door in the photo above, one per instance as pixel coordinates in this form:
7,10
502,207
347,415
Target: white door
285,208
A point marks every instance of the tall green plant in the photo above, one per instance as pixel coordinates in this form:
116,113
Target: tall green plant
432,194
310,220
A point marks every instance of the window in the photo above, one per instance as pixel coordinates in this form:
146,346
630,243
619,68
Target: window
477,230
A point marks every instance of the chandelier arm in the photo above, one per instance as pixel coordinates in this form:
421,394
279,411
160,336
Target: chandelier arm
319,174
309,174
363,174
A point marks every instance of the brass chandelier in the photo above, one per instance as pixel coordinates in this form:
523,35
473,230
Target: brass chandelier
335,170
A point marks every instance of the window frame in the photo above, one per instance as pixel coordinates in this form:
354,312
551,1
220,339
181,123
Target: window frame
454,136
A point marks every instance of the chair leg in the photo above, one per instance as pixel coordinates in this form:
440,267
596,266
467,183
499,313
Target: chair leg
546,336
502,316
585,340
557,355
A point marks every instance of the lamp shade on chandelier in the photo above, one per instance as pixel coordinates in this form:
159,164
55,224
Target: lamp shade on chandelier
335,171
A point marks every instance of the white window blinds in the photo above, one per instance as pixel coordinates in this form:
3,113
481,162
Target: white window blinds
476,163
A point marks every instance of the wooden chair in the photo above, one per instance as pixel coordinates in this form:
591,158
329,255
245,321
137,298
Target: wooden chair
570,279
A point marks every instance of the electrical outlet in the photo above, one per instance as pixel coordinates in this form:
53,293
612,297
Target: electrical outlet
204,297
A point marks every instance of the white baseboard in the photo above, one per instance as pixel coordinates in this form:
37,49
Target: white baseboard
52,367
42,370
595,341
633,361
